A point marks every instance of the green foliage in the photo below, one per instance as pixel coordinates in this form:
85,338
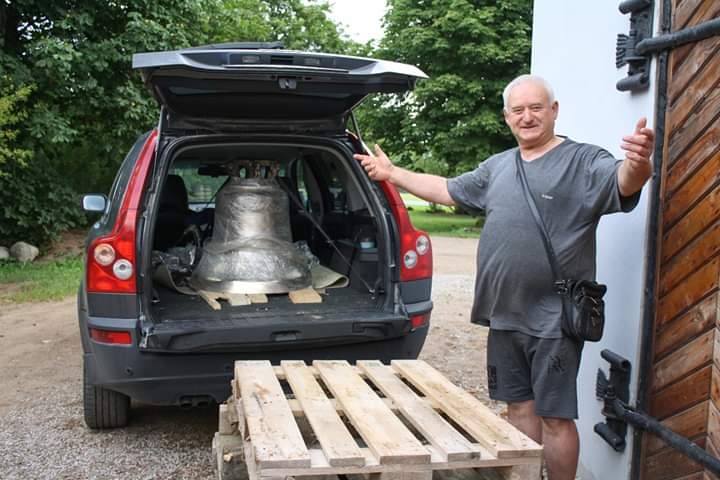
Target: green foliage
28,282
86,105
470,50
35,205
12,113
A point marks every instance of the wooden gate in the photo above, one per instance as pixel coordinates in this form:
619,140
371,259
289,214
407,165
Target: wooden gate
685,378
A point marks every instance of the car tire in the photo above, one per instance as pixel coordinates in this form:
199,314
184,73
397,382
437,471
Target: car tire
104,408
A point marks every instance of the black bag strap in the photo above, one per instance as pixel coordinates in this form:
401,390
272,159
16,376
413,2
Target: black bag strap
538,221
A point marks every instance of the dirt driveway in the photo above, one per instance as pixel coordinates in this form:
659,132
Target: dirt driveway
42,434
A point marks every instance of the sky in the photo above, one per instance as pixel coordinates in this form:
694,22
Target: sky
361,19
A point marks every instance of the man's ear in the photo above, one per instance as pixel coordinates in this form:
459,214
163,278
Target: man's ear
555,108
505,116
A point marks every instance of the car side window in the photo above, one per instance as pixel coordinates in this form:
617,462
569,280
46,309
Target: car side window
202,189
301,187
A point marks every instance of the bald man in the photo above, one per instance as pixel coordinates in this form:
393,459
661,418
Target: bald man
531,365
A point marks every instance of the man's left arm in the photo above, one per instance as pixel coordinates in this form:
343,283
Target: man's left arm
637,167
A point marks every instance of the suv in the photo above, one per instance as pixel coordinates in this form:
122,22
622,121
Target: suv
235,114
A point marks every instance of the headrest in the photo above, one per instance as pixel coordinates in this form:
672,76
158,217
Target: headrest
174,194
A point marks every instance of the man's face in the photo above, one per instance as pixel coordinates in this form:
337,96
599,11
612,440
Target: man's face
530,115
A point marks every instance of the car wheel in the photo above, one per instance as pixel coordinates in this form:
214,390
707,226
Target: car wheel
104,408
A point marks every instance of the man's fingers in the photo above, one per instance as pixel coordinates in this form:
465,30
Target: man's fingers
649,133
636,147
644,138
642,123
376,165
378,151
637,160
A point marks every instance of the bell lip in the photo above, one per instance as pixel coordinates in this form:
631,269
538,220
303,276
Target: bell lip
251,287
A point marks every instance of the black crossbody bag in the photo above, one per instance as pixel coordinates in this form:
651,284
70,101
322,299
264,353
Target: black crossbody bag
583,317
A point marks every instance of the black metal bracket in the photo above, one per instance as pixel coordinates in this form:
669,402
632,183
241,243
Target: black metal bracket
616,387
625,52
637,47
614,391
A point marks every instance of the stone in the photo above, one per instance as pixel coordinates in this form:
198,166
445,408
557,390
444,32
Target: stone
24,252
4,253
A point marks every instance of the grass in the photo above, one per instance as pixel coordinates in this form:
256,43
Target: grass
441,220
38,281
445,222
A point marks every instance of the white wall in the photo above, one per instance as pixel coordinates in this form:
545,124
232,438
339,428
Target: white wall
574,49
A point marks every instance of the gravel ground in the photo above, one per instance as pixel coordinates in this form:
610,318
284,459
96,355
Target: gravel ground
42,433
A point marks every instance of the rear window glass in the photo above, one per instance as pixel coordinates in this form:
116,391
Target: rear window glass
201,189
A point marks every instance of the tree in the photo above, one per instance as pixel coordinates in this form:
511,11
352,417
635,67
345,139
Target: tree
72,102
470,49
12,113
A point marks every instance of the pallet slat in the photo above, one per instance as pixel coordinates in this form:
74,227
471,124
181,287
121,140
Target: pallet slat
498,436
337,443
449,442
321,467
383,432
276,438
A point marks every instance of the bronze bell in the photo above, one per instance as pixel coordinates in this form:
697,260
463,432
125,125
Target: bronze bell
251,249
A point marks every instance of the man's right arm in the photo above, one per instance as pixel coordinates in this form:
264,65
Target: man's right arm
431,188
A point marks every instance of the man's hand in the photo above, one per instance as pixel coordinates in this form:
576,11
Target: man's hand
428,187
378,167
637,167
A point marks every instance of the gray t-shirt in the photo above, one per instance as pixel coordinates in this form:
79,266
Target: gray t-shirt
573,185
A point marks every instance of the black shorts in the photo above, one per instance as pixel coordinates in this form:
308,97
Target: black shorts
522,367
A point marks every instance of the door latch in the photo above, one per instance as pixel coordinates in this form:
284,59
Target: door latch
287,83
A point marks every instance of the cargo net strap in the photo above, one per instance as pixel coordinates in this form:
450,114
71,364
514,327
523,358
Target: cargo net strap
293,197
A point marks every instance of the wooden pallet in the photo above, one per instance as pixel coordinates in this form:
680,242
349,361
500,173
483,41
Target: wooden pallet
374,421
307,295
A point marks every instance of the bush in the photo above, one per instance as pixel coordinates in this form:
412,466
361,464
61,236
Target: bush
36,205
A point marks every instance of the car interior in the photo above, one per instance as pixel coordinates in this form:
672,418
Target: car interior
328,212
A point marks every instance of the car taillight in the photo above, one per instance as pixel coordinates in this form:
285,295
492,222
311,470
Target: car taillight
116,337
415,246
418,321
111,259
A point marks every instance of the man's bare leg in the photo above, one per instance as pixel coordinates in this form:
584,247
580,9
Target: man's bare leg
558,436
561,447
522,416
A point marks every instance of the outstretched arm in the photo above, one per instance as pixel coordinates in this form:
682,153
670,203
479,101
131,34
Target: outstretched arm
432,188
637,167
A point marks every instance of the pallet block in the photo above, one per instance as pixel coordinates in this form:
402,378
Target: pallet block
403,421
307,295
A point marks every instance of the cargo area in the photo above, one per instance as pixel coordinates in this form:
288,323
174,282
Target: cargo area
267,201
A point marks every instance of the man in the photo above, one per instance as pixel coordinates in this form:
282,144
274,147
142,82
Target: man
531,365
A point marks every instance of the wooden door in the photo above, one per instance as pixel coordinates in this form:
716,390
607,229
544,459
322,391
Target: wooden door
684,378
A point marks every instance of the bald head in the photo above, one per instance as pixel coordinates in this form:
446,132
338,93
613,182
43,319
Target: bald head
530,111
522,79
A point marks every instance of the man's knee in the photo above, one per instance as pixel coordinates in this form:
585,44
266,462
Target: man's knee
521,409
522,415
557,426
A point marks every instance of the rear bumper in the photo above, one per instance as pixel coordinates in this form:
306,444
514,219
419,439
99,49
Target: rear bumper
163,378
